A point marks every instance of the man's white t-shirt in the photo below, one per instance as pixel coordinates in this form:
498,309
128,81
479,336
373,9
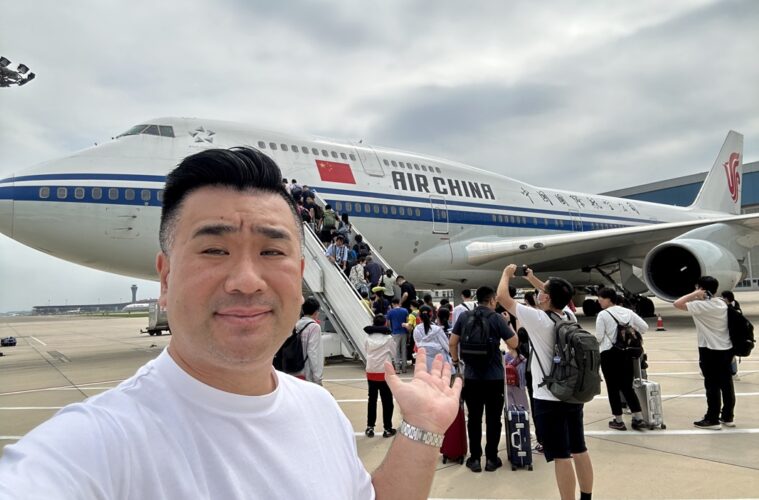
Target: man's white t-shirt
459,309
710,317
540,328
164,434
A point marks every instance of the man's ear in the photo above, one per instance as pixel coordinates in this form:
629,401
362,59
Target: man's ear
162,265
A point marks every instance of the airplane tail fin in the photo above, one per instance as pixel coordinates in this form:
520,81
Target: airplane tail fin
721,190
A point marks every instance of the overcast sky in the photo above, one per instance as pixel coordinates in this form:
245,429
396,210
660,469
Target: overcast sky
589,96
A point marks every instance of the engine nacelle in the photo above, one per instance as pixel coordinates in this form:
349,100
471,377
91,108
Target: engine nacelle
672,268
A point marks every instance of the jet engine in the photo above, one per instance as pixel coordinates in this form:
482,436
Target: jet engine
672,268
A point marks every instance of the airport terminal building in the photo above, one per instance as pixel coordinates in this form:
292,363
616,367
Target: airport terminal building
681,191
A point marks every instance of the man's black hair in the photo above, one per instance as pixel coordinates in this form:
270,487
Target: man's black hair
485,294
608,293
466,293
395,300
240,168
560,292
728,295
708,283
310,306
327,207
512,291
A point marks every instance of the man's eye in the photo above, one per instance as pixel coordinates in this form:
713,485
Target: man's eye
272,252
215,251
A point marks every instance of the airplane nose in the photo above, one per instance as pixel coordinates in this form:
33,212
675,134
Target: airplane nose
6,209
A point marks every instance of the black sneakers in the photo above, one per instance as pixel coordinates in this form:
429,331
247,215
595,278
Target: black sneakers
389,433
491,465
369,432
617,426
638,424
708,424
727,423
474,464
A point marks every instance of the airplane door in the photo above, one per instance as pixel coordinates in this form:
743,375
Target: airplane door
369,160
439,215
576,220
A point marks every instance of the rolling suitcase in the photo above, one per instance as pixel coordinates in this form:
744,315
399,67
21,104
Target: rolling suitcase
518,436
649,395
454,446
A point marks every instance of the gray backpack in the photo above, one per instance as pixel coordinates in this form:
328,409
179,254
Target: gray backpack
574,376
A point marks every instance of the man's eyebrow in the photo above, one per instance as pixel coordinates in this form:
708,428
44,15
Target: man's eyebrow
272,232
214,230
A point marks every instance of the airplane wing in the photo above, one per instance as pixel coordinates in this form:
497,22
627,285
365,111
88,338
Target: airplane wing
582,249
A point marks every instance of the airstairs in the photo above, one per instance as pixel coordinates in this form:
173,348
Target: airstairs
340,302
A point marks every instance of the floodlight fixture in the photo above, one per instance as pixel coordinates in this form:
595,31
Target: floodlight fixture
27,79
22,69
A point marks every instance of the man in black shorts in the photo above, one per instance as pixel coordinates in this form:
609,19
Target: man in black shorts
559,424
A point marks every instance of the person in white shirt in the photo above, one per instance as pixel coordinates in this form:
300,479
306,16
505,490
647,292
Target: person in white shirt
311,337
559,423
210,417
380,347
715,352
461,307
357,276
617,366
431,337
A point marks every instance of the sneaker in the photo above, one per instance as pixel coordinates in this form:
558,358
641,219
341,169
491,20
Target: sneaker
638,424
539,448
617,426
708,424
727,423
491,465
389,433
369,432
474,464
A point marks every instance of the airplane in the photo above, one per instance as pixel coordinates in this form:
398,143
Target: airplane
440,223
136,307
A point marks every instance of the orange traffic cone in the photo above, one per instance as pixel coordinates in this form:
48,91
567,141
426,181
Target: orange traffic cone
660,324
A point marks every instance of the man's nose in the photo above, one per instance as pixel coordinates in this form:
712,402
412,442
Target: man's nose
246,276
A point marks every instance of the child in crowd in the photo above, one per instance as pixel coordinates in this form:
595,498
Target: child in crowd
380,347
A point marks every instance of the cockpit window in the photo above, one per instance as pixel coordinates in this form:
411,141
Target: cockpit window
166,130
161,130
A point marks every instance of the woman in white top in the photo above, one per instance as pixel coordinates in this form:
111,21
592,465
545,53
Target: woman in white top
616,365
432,337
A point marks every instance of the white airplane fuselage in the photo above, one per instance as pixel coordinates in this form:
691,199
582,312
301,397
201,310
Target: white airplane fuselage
100,207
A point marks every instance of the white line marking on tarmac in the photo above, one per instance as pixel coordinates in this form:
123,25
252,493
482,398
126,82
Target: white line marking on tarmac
87,388
38,340
10,438
667,432
30,407
740,372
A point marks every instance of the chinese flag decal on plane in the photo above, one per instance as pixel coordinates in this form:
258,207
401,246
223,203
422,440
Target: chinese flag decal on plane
333,171
733,177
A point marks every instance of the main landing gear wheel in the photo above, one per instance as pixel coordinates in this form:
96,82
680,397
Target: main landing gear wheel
590,308
645,307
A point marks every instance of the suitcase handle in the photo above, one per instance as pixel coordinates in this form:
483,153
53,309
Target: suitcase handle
516,441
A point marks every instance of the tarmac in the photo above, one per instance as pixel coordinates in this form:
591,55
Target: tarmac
61,360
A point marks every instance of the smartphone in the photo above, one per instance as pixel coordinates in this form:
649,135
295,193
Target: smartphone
521,270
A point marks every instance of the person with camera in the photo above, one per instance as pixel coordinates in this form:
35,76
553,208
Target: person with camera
714,352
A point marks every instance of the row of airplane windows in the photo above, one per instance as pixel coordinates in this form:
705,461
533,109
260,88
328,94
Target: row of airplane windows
334,154
128,194
146,195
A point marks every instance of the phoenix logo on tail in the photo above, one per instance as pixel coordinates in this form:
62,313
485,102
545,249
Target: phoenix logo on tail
733,177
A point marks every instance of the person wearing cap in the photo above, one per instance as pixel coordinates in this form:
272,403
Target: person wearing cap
380,304
337,252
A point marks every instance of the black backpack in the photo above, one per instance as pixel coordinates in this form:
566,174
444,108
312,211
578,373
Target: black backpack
741,332
290,357
628,340
476,345
574,376
296,192
363,249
